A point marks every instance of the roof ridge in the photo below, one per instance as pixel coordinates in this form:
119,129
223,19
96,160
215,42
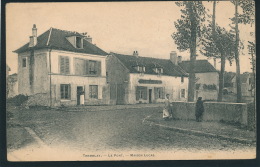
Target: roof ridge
68,31
139,56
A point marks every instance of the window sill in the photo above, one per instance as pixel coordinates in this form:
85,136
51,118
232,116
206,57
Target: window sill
65,100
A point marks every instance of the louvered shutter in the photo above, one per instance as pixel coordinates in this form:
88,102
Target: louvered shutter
145,92
98,68
137,93
86,67
62,65
163,92
156,93
67,65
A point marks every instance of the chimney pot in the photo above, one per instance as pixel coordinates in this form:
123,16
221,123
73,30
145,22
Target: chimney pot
34,35
135,53
179,59
173,57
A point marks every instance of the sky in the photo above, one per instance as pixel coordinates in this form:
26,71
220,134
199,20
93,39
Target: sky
120,27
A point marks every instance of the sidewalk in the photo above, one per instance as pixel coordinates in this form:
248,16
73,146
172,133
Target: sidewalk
110,107
208,129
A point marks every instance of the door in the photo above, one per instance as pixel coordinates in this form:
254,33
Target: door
120,93
150,95
79,92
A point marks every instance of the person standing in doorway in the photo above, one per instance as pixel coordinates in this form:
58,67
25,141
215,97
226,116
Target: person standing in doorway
199,109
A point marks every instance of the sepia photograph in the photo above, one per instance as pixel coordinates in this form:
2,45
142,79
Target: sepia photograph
114,81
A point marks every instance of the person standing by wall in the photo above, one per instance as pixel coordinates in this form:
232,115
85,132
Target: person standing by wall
199,109
167,114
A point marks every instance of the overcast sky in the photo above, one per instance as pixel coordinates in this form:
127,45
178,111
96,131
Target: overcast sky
120,27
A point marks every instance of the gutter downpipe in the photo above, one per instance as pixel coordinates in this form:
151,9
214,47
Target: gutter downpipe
50,75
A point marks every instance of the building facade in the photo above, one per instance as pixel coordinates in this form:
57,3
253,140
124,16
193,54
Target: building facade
207,78
247,84
60,67
134,79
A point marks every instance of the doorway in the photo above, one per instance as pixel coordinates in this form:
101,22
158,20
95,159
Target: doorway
79,92
150,95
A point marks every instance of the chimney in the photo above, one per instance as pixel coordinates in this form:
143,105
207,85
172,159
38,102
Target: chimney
33,38
179,59
31,43
173,57
88,38
135,53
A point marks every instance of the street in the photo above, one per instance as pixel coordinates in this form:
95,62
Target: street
119,130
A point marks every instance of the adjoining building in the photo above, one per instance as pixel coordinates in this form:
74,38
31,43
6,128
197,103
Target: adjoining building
58,67
135,79
207,78
247,84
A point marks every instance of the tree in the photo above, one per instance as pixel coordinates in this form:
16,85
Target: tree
251,51
247,17
188,35
218,43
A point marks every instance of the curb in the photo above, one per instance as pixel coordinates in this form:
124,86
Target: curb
199,133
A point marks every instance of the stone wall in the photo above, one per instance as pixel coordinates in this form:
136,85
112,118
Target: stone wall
214,111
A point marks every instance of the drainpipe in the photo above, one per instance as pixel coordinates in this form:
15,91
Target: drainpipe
50,75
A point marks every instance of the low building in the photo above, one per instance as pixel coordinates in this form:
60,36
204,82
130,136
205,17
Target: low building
135,79
58,67
207,78
247,84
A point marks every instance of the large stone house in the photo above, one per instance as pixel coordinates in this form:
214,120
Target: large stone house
207,78
135,79
58,67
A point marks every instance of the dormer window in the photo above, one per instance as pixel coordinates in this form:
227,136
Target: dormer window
140,69
159,70
79,42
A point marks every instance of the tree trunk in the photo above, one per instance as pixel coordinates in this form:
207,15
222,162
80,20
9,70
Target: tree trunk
238,81
221,78
193,42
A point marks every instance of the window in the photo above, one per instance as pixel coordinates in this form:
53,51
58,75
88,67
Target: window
158,70
64,65
65,91
93,91
92,67
182,93
79,42
159,93
141,92
140,69
182,79
24,62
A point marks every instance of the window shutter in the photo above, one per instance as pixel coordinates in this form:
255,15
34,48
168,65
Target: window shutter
145,93
137,93
98,68
62,65
155,93
86,67
163,92
67,65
